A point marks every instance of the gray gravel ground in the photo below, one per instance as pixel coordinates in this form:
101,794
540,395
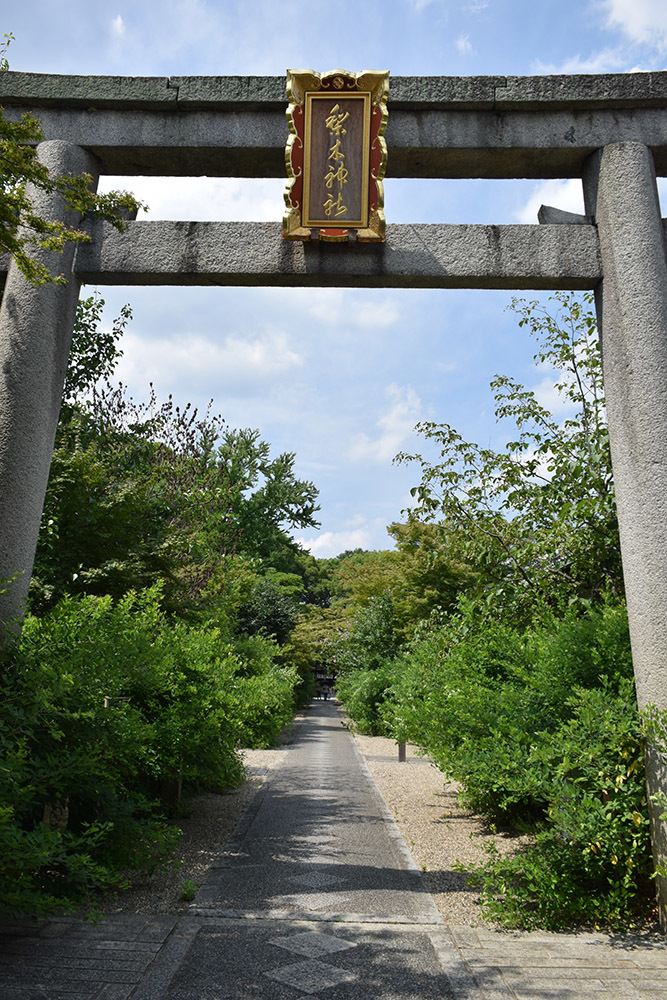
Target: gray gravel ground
206,829
436,829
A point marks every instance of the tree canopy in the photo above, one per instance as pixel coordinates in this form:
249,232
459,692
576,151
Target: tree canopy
539,516
148,491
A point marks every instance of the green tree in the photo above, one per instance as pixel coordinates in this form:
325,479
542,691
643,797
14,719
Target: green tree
147,491
371,638
94,352
312,578
313,641
537,519
23,230
434,572
358,577
135,495
269,499
270,610
424,573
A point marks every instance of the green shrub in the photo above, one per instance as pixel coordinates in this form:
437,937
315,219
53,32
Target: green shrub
592,862
263,694
541,729
164,685
263,705
105,703
363,693
478,695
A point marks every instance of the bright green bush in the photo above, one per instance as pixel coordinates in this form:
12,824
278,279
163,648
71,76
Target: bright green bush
478,695
591,863
541,729
263,705
363,693
164,683
102,704
263,695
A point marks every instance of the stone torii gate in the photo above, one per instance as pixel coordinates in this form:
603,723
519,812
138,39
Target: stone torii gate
611,131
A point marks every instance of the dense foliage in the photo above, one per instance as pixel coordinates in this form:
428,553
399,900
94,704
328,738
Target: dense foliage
106,706
519,686
540,727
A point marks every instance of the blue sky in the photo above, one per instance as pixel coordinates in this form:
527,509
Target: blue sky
343,387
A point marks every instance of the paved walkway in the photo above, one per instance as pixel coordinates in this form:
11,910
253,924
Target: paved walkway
317,895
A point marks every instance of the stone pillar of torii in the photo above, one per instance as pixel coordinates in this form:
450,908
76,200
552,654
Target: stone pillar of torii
622,195
36,326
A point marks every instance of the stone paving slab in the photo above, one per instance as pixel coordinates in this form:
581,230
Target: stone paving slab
317,895
542,966
284,960
72,958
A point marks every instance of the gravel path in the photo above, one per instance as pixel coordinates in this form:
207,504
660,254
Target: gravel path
436,829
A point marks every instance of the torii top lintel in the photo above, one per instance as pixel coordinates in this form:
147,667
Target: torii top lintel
488,126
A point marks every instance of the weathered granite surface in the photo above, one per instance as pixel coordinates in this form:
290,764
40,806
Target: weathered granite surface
621,191
488,126
417,256
36,324
616,90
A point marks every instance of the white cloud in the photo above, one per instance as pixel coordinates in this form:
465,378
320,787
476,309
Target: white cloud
118,26
327,305
208,199
463,44
395,426
376,314
548,396
338,306
448,367
605,61
643,21
332,543
567,195
237,364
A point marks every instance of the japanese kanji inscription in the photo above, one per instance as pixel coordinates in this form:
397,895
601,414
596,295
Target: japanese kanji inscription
336,155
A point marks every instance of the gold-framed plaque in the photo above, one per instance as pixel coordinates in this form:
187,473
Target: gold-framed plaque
336,155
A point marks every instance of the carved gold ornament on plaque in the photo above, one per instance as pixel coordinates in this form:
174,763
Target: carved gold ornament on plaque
336,155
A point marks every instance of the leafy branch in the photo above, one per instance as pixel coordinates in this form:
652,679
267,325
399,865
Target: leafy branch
540,510
23,230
